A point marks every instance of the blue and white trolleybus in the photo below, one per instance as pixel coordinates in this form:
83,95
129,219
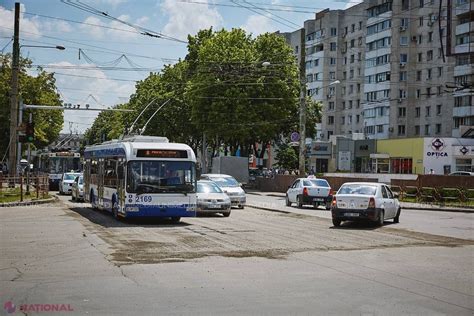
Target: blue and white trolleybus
141,176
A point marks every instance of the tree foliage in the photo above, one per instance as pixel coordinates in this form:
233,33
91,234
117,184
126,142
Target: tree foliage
287,157
40,89
236,89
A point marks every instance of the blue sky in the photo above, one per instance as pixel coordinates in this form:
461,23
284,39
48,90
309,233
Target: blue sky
44,23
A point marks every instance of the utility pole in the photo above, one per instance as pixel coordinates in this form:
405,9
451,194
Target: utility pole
12,157
302,110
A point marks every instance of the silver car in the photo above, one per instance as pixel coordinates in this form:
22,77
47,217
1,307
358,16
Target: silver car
211,199
77,191
230,186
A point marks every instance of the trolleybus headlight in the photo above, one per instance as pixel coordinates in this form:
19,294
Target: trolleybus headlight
132,209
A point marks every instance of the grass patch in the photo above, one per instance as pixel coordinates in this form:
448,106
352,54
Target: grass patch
8,195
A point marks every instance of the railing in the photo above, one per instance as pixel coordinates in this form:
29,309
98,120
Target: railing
438,195
14,189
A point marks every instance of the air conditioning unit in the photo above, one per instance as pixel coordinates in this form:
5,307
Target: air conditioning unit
403,28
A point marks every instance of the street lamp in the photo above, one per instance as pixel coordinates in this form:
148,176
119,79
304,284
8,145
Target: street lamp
15,117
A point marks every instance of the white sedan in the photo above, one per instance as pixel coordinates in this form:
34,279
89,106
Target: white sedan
65,185
309,191
357,201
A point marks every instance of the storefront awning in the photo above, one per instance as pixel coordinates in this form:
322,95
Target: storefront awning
379,156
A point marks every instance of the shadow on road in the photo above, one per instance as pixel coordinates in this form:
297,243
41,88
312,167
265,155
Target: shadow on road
105,219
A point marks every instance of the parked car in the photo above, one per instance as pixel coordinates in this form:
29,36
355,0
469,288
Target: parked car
211,198
357,201
309,191
65,184
77,191
230,186
461,173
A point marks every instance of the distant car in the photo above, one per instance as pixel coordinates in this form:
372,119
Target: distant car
461,173
230,186
357,201
77,190
211,199
65,184
309,191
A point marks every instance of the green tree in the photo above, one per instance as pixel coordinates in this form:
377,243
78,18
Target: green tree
287,157
235,100
40,89
107,125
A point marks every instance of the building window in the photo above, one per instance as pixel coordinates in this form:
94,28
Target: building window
427,111
427,129
333,31
331,106
420,57
402,112
417,130
438,129
430,37
417,111
418,93
332,47
418,75
379,129
332,61
429,55
404,40
438,109
403,58
405,5
402,94
420,21
401,165
330,120
403,76
401,129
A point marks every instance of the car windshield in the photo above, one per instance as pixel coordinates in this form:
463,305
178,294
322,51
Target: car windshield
225,181
208,188
81,180
70,176
363,189
320,183
161,176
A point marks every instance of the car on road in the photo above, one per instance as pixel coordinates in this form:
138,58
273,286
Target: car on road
230,186
211,199
309,191
461,173
361,201
67,179
77,191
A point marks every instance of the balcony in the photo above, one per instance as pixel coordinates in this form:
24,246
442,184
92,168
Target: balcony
464,48
464,28
462,8
463,111
463,70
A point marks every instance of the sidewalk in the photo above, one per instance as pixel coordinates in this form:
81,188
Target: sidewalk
404,205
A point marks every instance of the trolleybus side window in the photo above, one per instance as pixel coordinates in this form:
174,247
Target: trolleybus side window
110,172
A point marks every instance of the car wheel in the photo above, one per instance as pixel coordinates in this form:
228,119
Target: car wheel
226,214
175,219
396,219
328,206
299,200
380,219
241,207
287,200
336,222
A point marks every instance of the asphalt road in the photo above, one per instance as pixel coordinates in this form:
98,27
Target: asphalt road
254,262
450,224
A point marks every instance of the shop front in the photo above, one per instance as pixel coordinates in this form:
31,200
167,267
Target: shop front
362,150
399,156
446,155
320,156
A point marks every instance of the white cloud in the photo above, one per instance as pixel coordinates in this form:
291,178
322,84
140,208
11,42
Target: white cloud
79,90
184,19
258,24
29,28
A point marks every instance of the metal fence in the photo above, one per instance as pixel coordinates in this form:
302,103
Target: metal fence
431,194
35,186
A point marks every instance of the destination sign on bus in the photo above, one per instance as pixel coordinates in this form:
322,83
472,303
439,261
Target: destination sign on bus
162,153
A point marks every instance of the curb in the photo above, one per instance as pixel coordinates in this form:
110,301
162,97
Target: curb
27,203
268,209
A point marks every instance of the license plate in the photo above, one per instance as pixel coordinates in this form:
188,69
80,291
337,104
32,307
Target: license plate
318,200
352,214
214,206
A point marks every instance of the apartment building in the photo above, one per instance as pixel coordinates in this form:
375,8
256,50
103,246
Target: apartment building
381,68
462,48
